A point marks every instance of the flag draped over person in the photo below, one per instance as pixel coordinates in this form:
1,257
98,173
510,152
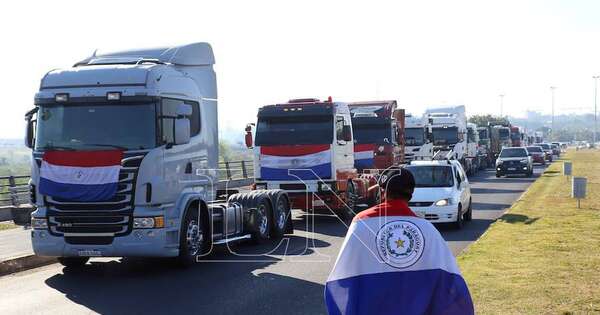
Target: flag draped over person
393,262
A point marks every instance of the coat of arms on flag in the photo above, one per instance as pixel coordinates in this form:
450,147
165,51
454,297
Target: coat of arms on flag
80,175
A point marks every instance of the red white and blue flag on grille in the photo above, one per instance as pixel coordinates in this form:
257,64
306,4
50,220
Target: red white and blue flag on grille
393,262
285,162
364,156
80,175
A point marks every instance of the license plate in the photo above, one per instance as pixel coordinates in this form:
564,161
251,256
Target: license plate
90,253
512,168
318,203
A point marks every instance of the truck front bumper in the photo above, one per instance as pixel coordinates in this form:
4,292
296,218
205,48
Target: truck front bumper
139,243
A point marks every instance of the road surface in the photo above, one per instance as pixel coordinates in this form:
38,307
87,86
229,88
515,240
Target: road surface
228,284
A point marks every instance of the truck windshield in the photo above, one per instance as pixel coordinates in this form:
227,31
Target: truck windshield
294,130
375,130
432,176
471,135
483,135
503,133
445,135
96,126
414,136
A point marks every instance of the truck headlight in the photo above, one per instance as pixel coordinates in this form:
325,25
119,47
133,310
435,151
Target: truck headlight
443,202
39,223
148,222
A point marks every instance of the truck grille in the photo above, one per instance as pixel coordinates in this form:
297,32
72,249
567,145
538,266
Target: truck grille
97,222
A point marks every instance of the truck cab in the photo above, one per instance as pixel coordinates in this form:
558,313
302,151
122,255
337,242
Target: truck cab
449,132
305,147
500,138
473,152
378,134
417,139
125,160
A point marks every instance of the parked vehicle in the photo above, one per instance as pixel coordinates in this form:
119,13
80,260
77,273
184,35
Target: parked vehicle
537,154
514,160
500,138
306,147
125,152
485,146
418,144
548,150
474,154
378,130
516,136
555,148
442,193
449,133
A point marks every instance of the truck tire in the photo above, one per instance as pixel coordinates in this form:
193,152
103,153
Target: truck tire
73,262
193,238
348,210
458,224
263,218
282,214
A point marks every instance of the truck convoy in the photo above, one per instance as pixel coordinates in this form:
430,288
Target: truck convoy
306,147
418,145
125,155
378,130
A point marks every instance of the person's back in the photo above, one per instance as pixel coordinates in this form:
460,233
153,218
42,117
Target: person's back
393,262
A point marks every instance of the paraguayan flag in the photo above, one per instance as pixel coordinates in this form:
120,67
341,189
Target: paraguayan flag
393,262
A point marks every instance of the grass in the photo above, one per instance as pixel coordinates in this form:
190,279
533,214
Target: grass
7,226
543,255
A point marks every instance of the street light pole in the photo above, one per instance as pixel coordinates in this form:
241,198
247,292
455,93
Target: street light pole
595,107
552,88
501,105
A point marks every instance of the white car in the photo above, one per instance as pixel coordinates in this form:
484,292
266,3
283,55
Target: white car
442,193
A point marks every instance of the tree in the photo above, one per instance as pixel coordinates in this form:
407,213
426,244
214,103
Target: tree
483,120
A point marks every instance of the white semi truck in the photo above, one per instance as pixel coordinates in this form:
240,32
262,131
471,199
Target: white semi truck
418,145
125,157
448,127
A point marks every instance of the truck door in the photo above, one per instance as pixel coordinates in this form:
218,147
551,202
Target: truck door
343,151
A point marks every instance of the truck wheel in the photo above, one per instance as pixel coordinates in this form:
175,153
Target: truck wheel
469,214
281,215
193,239
263,219
347,212
73,262
459,219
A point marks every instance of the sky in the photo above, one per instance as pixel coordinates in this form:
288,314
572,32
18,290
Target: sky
420,53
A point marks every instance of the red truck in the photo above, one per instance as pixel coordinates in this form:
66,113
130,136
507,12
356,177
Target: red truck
306,148
378,128
516,136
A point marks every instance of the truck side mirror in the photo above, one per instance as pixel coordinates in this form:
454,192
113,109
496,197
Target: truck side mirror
248,137
347,133
30,128
182,124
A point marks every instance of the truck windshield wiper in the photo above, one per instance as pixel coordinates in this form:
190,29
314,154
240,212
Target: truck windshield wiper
57,148
107,145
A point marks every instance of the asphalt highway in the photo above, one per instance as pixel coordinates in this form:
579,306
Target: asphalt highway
283,278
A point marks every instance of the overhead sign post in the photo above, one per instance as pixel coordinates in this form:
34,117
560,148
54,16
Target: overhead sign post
578,189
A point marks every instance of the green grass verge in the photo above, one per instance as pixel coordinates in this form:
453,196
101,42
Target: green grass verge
543,255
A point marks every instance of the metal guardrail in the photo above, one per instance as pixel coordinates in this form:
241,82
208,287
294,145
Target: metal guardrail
14,190
234,170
